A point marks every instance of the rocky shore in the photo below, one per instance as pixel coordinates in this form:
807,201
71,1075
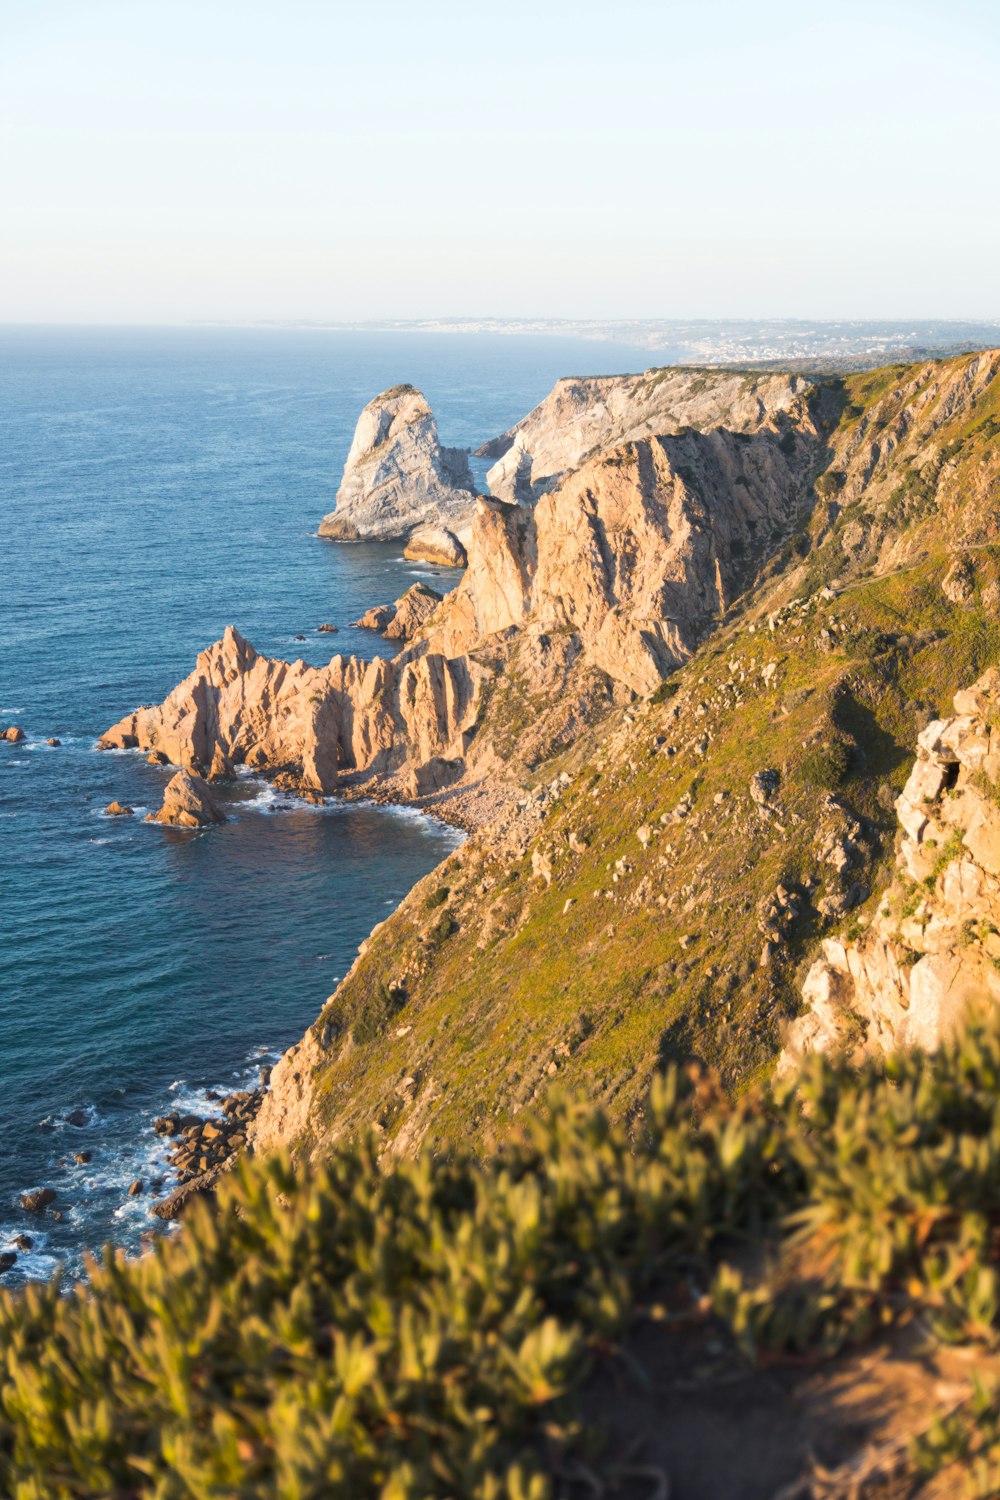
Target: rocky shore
204,1147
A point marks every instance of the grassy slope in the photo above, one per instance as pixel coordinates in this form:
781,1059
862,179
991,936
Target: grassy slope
499,987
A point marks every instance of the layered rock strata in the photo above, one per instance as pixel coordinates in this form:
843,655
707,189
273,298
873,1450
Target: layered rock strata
582,417
931,957
398,479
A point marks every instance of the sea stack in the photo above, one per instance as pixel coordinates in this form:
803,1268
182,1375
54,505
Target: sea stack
398,478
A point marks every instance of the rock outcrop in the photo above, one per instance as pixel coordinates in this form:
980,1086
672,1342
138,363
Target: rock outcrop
639,552
398,479
14,734
401,621
187,803
435,544
582,417
931,957
312,724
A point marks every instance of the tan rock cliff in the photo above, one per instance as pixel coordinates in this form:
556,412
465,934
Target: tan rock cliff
312,723
931,957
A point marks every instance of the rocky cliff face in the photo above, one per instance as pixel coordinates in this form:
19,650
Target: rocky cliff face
584,417
931,957
640,551
311,724
398,478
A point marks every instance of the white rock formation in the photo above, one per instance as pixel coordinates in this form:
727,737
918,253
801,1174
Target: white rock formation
398,478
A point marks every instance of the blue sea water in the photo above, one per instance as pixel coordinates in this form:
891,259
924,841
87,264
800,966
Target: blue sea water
157,485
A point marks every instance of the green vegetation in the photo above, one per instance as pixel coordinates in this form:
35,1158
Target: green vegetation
827,766
425,1329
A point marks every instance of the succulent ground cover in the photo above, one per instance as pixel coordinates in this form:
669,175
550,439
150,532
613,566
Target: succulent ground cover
433,1327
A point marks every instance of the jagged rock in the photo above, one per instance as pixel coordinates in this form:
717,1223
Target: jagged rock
34,1202
118,810
187,803
54,741
435,544
412,612
311,721
327,629
157,758
24,1242
135,1188
14,734
929,958
397,476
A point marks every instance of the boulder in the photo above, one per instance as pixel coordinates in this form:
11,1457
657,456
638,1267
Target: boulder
157,758
187,803
397,476
435,544
53,741
24,1241
118,810
327,629
411,612
83,1158
135,1188
40,1198
7,1259
13,734
376,618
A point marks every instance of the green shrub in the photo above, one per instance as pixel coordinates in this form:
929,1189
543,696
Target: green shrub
437,897
827,766
419,1329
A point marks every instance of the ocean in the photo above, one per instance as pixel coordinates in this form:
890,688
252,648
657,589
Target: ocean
156,486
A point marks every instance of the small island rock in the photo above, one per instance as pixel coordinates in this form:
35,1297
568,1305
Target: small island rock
435,544
13,734
34,1202
187,803
118,810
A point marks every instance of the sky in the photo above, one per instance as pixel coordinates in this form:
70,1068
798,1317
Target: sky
163,161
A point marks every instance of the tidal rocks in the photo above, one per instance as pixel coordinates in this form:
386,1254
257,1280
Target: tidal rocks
376,618
53,741
83,1158
36,1201
435,544
7,1259
203,1149
187,803
13,734
135,1188
157,758
24,1241
397,476
327,629
118,810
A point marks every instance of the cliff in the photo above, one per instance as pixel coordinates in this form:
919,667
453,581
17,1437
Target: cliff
677,861
398,478
701,660
930,961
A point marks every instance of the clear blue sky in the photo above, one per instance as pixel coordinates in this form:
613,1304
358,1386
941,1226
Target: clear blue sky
162,160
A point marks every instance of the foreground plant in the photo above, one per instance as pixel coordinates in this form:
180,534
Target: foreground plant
422,1328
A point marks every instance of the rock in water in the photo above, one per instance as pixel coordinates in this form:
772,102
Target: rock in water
118,810
7,1259
14,734
398,477
33,1203
435,544
187,803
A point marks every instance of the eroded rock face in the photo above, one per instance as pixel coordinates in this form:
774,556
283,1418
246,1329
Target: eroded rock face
930,959
397,477
309,723
583,416
187,803
401,621
639,552
435,544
